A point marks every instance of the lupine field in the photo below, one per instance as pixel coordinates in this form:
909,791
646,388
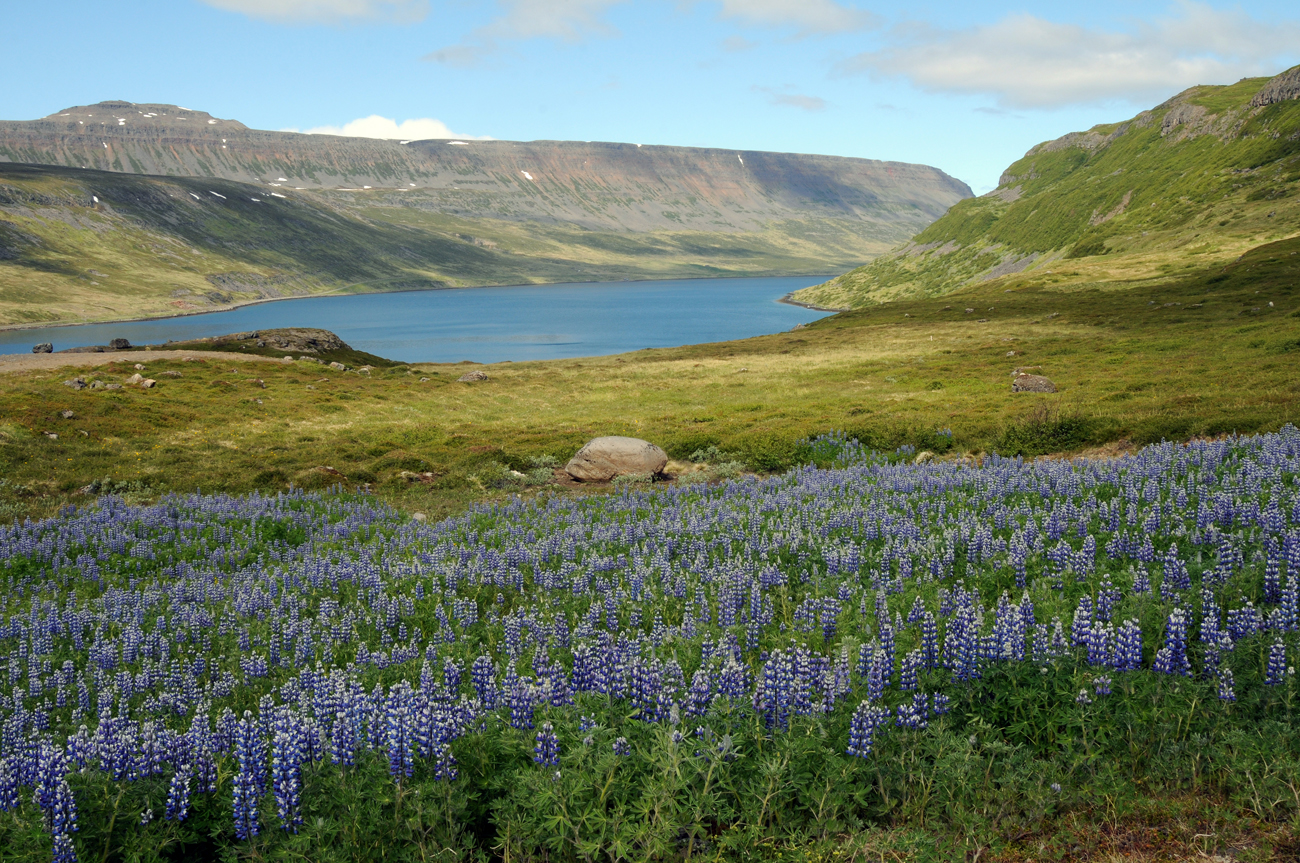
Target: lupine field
961,650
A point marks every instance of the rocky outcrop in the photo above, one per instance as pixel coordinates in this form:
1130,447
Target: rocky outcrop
604,458
1027,383
43,348
1282,88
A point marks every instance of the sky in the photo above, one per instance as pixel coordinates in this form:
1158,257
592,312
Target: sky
965,86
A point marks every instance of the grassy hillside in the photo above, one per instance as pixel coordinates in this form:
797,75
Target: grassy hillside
1191,183
1209,352
90,245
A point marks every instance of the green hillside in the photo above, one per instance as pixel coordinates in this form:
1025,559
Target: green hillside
1195,181
80,245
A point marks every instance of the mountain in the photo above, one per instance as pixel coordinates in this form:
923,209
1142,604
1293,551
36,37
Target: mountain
600,186
1193,182
336,213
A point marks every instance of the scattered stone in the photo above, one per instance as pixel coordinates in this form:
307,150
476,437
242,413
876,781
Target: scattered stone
1024,383
982,321
339,366
170,373
76,383
135,378
50,435
1020,369
83,432
1011,353
148,383
602,459
188,360
139,367
258,382
111,386
67,415
287,360
419,516
970,311
424,380
119,344
423,476
97,385
310,387
470,377
43,348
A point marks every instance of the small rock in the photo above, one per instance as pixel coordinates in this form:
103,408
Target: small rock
148,383
67,415
923,457
170,373
188,359
1024,383
135,378
602,459
1011,353
470,377
982,321
119,344
99,385
76,383
339,366
419,516
261,344
110,386
50,435
139,367
424,380
258,382
970,311
287,360
43,348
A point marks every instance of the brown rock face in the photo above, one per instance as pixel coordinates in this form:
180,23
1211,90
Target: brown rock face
604,458
1024,383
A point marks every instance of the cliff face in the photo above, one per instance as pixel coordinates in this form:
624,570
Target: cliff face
599,186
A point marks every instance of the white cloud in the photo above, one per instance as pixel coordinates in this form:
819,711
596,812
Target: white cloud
376,126
792,100
810,16
574,20
327,11
1025,61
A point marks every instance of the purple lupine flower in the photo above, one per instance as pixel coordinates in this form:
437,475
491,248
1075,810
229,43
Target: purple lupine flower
546,751
178,793
1275,671
1101,684
1128,646
915,715
286,774
621,747
1226,691
246,791
867,719
54,797
1172,658
940,704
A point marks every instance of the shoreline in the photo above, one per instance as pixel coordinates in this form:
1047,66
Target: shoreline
792,302
232,307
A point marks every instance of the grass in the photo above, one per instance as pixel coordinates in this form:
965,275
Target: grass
1200,354
1136,199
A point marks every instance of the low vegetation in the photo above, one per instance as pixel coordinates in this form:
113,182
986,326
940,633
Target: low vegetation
1207,354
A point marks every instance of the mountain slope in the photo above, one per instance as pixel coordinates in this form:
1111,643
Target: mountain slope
78,245
1193,182
600,186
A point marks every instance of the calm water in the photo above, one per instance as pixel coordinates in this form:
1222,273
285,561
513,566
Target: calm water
489,324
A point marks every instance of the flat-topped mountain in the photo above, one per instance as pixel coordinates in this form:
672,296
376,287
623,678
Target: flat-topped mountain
600,186
1193,182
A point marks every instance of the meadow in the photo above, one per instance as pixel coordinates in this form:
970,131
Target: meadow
992,660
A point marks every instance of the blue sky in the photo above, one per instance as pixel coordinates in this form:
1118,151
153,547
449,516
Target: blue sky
967,87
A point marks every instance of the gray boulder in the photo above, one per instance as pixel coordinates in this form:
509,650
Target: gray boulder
43,348
119,344
1023,383
604,458
470,377
76,383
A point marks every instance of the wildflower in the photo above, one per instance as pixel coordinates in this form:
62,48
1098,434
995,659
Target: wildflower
863,726
546,751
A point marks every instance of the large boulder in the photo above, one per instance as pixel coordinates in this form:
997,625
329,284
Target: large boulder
604,458
119,344
1026,383
43,348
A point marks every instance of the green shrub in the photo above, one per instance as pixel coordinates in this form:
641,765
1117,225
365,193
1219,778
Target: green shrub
1044,430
